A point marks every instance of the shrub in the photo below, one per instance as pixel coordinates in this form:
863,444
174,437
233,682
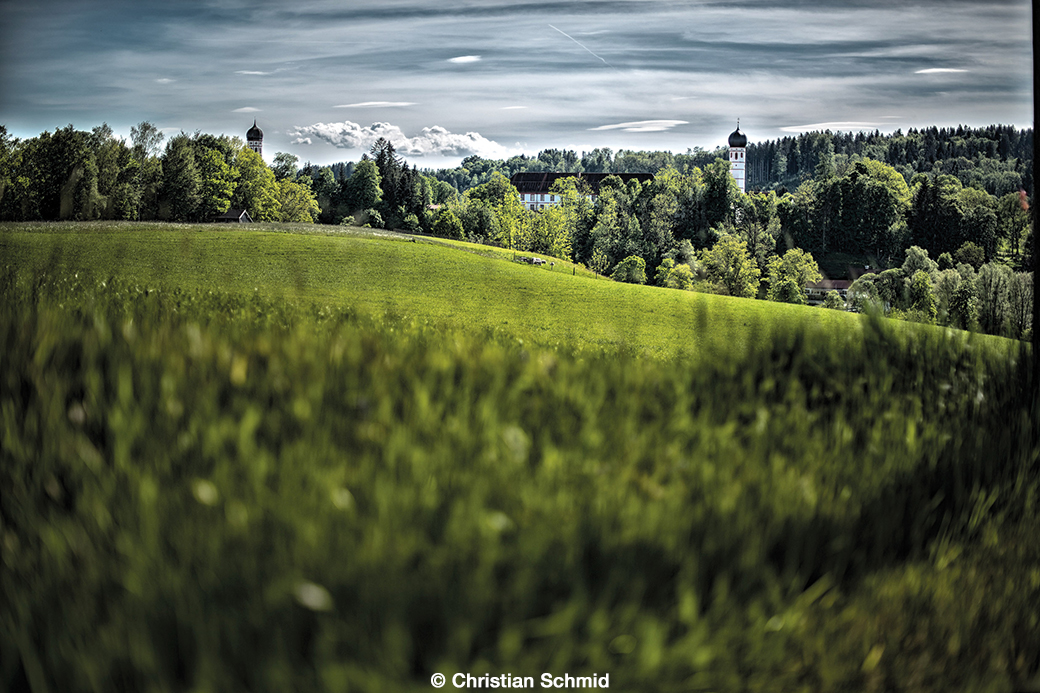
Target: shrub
370,218
834,301
411,223
673,276
631,270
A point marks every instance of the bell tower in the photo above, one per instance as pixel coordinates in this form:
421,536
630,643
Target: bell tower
255,139
737,156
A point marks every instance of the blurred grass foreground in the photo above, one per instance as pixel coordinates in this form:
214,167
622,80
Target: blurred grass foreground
205,491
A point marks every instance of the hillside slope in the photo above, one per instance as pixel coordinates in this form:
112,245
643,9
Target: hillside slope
425,280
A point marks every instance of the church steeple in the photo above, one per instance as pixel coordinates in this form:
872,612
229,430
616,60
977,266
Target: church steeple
255,139
737,154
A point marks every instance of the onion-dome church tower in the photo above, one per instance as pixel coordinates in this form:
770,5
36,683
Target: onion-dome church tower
737,154
255,139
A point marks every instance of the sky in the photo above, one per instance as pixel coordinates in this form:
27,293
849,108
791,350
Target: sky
448,79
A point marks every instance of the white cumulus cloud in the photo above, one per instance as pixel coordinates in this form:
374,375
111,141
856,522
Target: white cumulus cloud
431,141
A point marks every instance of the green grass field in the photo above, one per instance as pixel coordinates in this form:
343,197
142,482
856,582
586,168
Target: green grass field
427,280
326,460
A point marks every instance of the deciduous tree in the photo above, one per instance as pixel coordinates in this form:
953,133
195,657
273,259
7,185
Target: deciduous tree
257,189
296,202
284,165
729,265
789,275
964,306
994,287
216,184
922,298
179,195
446,224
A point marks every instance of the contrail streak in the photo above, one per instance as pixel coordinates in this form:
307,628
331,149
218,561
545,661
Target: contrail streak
585,47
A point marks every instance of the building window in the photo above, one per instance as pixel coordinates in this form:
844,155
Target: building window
552,198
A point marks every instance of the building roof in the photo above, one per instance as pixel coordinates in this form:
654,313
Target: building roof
233,215
737,139
541,182
254,133
830,284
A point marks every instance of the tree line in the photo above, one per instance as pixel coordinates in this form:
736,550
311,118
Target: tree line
690,227
696,230
995,158
77,175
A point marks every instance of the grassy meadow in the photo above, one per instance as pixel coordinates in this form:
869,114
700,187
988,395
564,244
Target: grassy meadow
429,280
291,460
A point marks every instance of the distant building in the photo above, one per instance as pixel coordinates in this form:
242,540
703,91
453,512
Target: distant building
737,156
255,139
234,216
816,292
534,187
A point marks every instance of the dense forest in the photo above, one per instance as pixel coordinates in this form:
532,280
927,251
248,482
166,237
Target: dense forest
78,175
997,158
940,215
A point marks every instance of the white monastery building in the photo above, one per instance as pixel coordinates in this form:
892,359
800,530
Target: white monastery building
534,187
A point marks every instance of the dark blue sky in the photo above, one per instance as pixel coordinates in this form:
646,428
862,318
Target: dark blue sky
456,77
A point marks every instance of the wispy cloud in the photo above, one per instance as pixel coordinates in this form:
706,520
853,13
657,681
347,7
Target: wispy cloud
778,63
431,141
643,126
377,104
835,125
246,109
587,49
